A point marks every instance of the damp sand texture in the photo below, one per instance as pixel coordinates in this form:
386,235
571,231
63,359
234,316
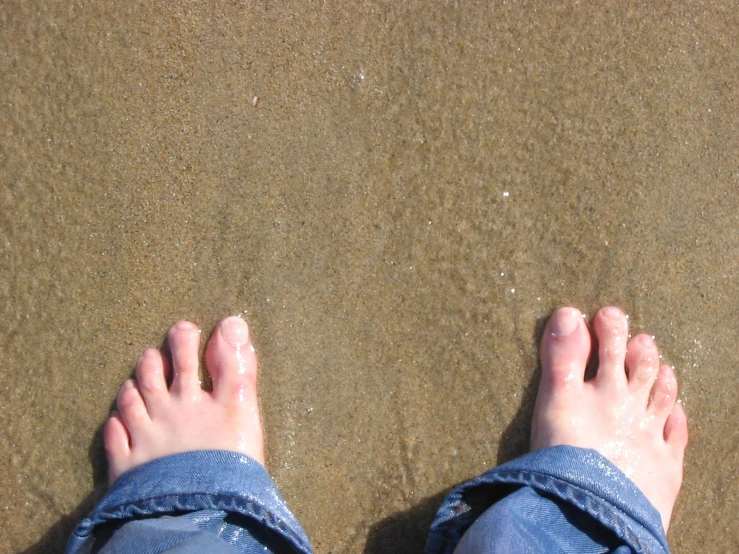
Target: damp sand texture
395,194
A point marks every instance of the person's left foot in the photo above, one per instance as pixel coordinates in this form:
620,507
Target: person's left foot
153,420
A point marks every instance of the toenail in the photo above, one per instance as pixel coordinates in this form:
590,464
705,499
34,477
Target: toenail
612,311
183,326
668,372
235,331
564,323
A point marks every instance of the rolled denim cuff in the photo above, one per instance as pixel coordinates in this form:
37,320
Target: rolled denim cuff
194,481
580,477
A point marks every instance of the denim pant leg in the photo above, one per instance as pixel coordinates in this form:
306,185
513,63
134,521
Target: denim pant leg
207,501
560,499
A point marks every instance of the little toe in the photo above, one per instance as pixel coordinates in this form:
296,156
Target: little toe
676,429
565,349
232,362
151,379
612,331
664,393
117,446
131,407
184,344
642,363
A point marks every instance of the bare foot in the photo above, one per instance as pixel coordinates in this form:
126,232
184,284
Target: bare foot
627,412
153,420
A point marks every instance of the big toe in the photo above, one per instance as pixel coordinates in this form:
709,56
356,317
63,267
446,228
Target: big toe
232,362
565,349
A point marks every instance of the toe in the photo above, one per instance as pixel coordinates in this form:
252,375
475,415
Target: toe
565,348
117,447
664,393
232,362
151,379
642,363
676,429
612,331
184,343
131,407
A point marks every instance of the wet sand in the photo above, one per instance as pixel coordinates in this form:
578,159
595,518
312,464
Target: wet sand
416,188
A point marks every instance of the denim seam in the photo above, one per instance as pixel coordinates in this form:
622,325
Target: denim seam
585,500
148,507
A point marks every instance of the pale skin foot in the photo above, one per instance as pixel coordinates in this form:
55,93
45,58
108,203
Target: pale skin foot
153,420
628,412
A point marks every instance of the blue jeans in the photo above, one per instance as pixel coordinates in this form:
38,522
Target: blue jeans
561,499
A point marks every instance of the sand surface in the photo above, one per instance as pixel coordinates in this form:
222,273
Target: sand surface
396,194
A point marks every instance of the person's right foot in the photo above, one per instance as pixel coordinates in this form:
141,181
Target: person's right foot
628,412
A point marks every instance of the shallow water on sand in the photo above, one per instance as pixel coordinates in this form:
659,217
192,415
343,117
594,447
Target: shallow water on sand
396,196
